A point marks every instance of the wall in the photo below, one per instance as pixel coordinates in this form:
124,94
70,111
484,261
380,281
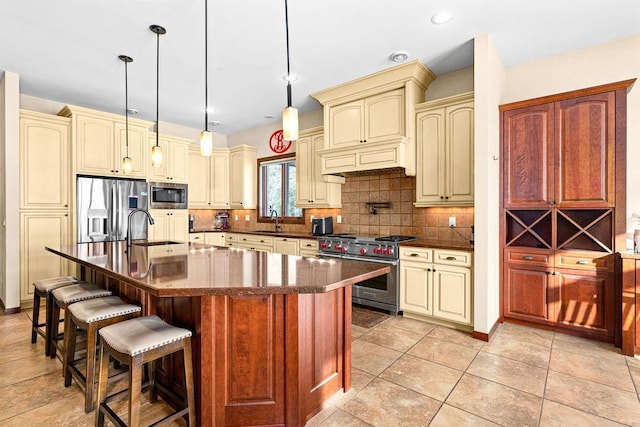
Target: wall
604,63
489,88
9,190
449,84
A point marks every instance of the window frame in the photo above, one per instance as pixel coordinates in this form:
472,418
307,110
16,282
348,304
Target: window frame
262,196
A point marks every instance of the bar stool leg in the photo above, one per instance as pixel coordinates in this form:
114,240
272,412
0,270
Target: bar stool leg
55,322
135,390
188,381
70,334
103,379
35,317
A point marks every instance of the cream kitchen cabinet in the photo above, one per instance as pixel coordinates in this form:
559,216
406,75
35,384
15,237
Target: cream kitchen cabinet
242,172
216,239
209,179
100,142
169,224
249,241
175,162
436,283
37,230
286,246
313,189
196,237
308,248
445,152
369,122
44,161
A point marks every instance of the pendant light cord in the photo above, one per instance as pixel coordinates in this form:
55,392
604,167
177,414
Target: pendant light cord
126,106
206,74
157,89
286,24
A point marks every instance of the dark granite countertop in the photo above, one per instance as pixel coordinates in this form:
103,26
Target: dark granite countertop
430,244
194,269
289,234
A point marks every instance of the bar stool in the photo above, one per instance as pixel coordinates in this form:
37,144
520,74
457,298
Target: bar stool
134,343
42,289
90,316
66,295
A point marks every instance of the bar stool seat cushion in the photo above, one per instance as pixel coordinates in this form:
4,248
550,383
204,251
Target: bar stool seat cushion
48,285
94,310
79,292
142,334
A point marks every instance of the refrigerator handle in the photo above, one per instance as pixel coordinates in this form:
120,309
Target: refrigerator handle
113,233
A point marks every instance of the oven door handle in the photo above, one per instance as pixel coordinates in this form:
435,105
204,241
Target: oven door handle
377,261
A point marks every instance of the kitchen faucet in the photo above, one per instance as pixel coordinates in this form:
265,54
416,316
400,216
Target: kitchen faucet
273,214
129,223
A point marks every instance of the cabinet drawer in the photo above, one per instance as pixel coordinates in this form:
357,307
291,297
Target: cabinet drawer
602,262
196,237
308,244
416,254
250,239
543,259
450,257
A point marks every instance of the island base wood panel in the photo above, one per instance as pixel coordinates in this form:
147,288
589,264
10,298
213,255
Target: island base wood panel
258,359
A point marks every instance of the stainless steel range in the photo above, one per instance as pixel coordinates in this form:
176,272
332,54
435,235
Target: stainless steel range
380,292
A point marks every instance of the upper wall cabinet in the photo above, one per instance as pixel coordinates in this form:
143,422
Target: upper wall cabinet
243,164
313,189
369,122
175,163
445,152
44,161
209,179
100,142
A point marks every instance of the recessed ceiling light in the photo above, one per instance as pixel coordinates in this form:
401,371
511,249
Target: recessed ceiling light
399,56
215,123
132,111
290,78
441,18
268,116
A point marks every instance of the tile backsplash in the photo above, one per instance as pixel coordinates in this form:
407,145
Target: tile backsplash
430,224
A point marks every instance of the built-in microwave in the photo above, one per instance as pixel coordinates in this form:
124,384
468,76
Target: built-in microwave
165,195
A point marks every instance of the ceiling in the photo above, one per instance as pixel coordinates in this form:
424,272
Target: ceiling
68,50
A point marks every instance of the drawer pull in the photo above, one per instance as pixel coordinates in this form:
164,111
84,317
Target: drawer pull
528,257
450,258
582,262
414,254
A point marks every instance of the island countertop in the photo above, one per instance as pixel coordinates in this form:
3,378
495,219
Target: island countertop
194,269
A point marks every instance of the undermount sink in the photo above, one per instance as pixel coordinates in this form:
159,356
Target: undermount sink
162,242
265,231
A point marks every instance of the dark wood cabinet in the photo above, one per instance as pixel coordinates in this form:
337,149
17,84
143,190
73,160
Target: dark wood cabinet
563,208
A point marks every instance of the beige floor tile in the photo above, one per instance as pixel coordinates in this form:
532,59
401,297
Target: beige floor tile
393,338
598,399
449,416
372,358
557,415
634,370
359,379
408,324
500,404
24,369
357,331
585,346
456,337
68,412
519,375
343,419
525,334
321,416
33,393
22,349
601,370
382,403
444,352
428,378
533,354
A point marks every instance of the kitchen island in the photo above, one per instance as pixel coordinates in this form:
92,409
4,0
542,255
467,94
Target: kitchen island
272,333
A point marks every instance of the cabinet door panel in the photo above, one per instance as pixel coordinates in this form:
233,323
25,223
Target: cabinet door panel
529,294
459,153
179,162
160,173
586,301
528,170
346,123
220,180
198,191
384,116
304,170
138,149
585,129
415,288
95,149
452,293
160,228
431,164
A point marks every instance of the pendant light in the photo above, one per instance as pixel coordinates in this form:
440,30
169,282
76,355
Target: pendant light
289,114
156,150
127,165
206,137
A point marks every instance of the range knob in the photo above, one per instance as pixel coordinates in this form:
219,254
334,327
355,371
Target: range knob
363,251
390,251
344,249
338,247
376,250
383,251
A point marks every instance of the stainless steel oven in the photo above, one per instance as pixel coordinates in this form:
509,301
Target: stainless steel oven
380,292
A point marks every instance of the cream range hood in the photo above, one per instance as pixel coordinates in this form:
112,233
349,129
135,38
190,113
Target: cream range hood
369,122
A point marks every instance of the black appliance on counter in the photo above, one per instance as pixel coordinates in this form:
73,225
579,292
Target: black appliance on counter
379,292
322,226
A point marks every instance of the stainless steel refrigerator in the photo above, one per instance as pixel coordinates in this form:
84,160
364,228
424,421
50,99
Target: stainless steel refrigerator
103,208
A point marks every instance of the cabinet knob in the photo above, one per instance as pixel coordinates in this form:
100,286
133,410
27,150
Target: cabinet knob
434,270
428,269
446,197
441,197
527,258
261,241
66,206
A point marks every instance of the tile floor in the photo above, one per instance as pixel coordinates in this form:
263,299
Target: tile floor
405,373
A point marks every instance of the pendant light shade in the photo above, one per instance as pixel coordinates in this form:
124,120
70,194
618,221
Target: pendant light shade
156,150
289,114
206,137
127,164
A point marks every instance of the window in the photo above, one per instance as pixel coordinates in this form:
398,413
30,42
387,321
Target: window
277,189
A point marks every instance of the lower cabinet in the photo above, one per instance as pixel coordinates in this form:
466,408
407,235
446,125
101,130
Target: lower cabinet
308,248
216,239
286,246
196,237
249,241
37,230
436,283
169,224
